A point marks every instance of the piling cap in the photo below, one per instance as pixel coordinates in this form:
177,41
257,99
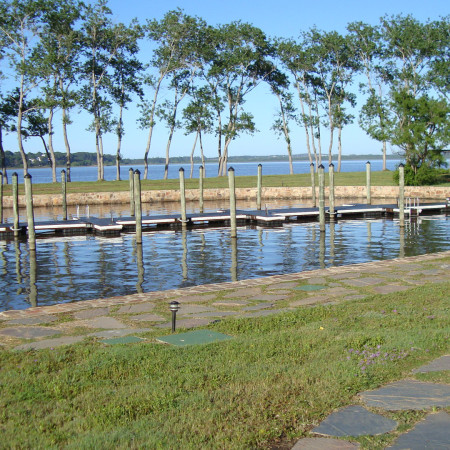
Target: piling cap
312,164
401,165
368,162
321,166
180,169
331,165
28,176
137,172
231,169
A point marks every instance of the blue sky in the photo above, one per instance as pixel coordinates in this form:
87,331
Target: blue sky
281,18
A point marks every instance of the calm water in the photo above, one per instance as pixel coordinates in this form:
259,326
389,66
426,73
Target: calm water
69,269
156,172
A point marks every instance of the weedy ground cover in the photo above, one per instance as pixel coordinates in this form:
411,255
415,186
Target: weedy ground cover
273,382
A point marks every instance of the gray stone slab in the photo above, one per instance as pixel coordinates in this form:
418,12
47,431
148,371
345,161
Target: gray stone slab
408,394
442,363
266,312
91,313
244,292
192,309
230,303
214,314
187,323
136,308
269,297
50,343
361,282
431,433
34,320
355,421
258,307
195,298
340,291
346,275
29,332
285,285
119,333
390,288
310,301
355,297
316,280
104,322
324,444
148,318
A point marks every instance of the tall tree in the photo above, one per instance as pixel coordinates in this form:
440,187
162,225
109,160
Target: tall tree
21,28
7,115
177,37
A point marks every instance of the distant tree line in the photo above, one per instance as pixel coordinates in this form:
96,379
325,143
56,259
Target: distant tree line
63,55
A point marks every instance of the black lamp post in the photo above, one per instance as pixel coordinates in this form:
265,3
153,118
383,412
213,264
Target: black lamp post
174,307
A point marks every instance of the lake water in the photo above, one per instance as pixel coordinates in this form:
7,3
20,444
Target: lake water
67,269
156,172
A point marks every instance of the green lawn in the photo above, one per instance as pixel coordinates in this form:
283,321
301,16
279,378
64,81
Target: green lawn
276,379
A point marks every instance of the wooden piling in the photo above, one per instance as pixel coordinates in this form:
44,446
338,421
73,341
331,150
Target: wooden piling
313,185
401,194
33,297
140,268
30,213
234,264
232,187
138,205
15,195
321,199
182,197
131,177
1,197
200,187
64,194
331,188
368,183
258,195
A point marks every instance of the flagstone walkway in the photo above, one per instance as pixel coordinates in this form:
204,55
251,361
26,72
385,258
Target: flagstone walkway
132,315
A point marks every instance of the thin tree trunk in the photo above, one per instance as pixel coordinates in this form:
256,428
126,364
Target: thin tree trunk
192,154
169,142
384,156
339,148
119,142
3,158
150,130
201,152
66,143
50,144
305,124
102,170
286,134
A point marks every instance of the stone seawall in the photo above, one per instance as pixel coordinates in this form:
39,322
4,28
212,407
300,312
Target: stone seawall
268,193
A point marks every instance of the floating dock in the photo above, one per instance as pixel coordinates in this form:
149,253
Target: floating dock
272,217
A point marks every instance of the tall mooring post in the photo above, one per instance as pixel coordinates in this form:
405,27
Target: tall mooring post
368,183
138,205
30,213
1,197
64,194
201,175
15,199
313,185
321,199
331,194
232,186
131,176
401,194
258,194
182,197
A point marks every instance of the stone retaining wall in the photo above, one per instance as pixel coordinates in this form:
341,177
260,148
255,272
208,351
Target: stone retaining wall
268,193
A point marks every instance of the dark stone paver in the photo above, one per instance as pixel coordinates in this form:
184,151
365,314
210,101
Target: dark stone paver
230,303
50,343
91,313
286,285
408,394
148,318
311,287
442,363
29,332
269,297
432,433
361,282
192,309
195,298
324,444
137,308
390,288
355,421
103,322
244,292
214,314
310,301
340,291
119,333
317,280
36,320
258,307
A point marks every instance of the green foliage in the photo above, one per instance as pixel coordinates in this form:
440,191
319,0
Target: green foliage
423,176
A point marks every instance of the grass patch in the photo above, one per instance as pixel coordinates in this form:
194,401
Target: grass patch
302,180
272,383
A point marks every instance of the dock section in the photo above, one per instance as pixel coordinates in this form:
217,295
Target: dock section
274,217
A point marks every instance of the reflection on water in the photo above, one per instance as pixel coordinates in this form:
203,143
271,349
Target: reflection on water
66,269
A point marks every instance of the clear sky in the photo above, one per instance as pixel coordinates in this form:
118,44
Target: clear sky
279,18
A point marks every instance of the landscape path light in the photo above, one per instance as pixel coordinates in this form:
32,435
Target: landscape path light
174,307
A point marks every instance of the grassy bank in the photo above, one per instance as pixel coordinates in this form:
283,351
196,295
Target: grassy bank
273,382
341,179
